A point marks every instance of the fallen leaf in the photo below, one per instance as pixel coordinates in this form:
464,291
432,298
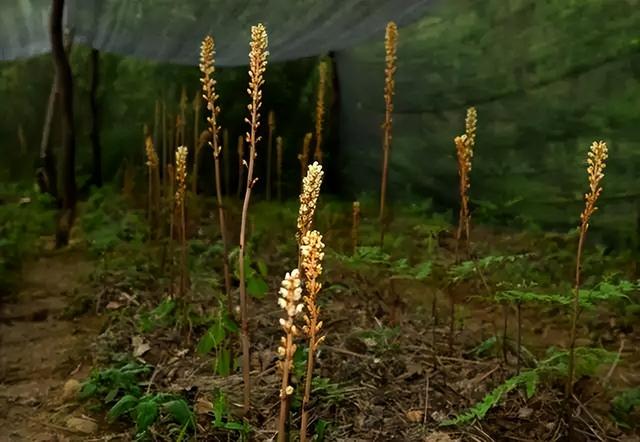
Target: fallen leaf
113,305
415,415
203,406
140,347
81,425
438,436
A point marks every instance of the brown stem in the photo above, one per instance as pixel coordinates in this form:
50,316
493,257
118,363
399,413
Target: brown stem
452,320
284,397
519,335
223,234
308,378
226,155
156,201
385,173
269,166
505,325
243,227
150,197
171,224
240,164
574,321
434,323
197,147
164,144
183,252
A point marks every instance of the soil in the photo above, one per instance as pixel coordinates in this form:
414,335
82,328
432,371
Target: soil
396,375
40,350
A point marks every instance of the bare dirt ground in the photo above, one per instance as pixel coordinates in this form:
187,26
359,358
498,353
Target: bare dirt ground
40,351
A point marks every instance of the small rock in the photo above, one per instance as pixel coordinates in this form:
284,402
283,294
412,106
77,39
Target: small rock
70,390
82,425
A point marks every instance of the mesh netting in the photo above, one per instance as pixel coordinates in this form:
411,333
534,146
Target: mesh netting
546,83
171,30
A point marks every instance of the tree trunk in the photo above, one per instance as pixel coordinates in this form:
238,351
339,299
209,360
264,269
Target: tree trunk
96,178
47,174
65,83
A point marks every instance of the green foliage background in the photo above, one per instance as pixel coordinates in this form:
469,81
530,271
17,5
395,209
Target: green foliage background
547,78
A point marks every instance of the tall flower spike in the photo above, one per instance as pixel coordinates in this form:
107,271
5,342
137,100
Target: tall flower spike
207,67
257,67
470,127
181,174
152,156
289,300
312,252
309,198
390,45
304,155
322,81
596,163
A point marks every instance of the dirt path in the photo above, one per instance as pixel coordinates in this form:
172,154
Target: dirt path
40,350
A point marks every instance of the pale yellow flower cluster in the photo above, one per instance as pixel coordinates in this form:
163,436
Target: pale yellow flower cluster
181,174
289,300
596,163
309,199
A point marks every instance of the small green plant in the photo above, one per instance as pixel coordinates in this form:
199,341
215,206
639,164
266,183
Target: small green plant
22,223
120,388
222,418
556,366
381,339
164,315
107,222
625,408
147,409
255,273
216,339
110,383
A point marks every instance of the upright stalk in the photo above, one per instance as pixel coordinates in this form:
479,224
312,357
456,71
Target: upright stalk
279,158
196,143
181,193
165,139
290,294
207,67
312,251
519,336
225,160
272,127
240,150
322,81
257,67
96,148
596,161
355,226
390,45
303,156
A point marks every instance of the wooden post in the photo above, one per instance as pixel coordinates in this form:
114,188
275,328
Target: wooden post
96,149
65,81
226,154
